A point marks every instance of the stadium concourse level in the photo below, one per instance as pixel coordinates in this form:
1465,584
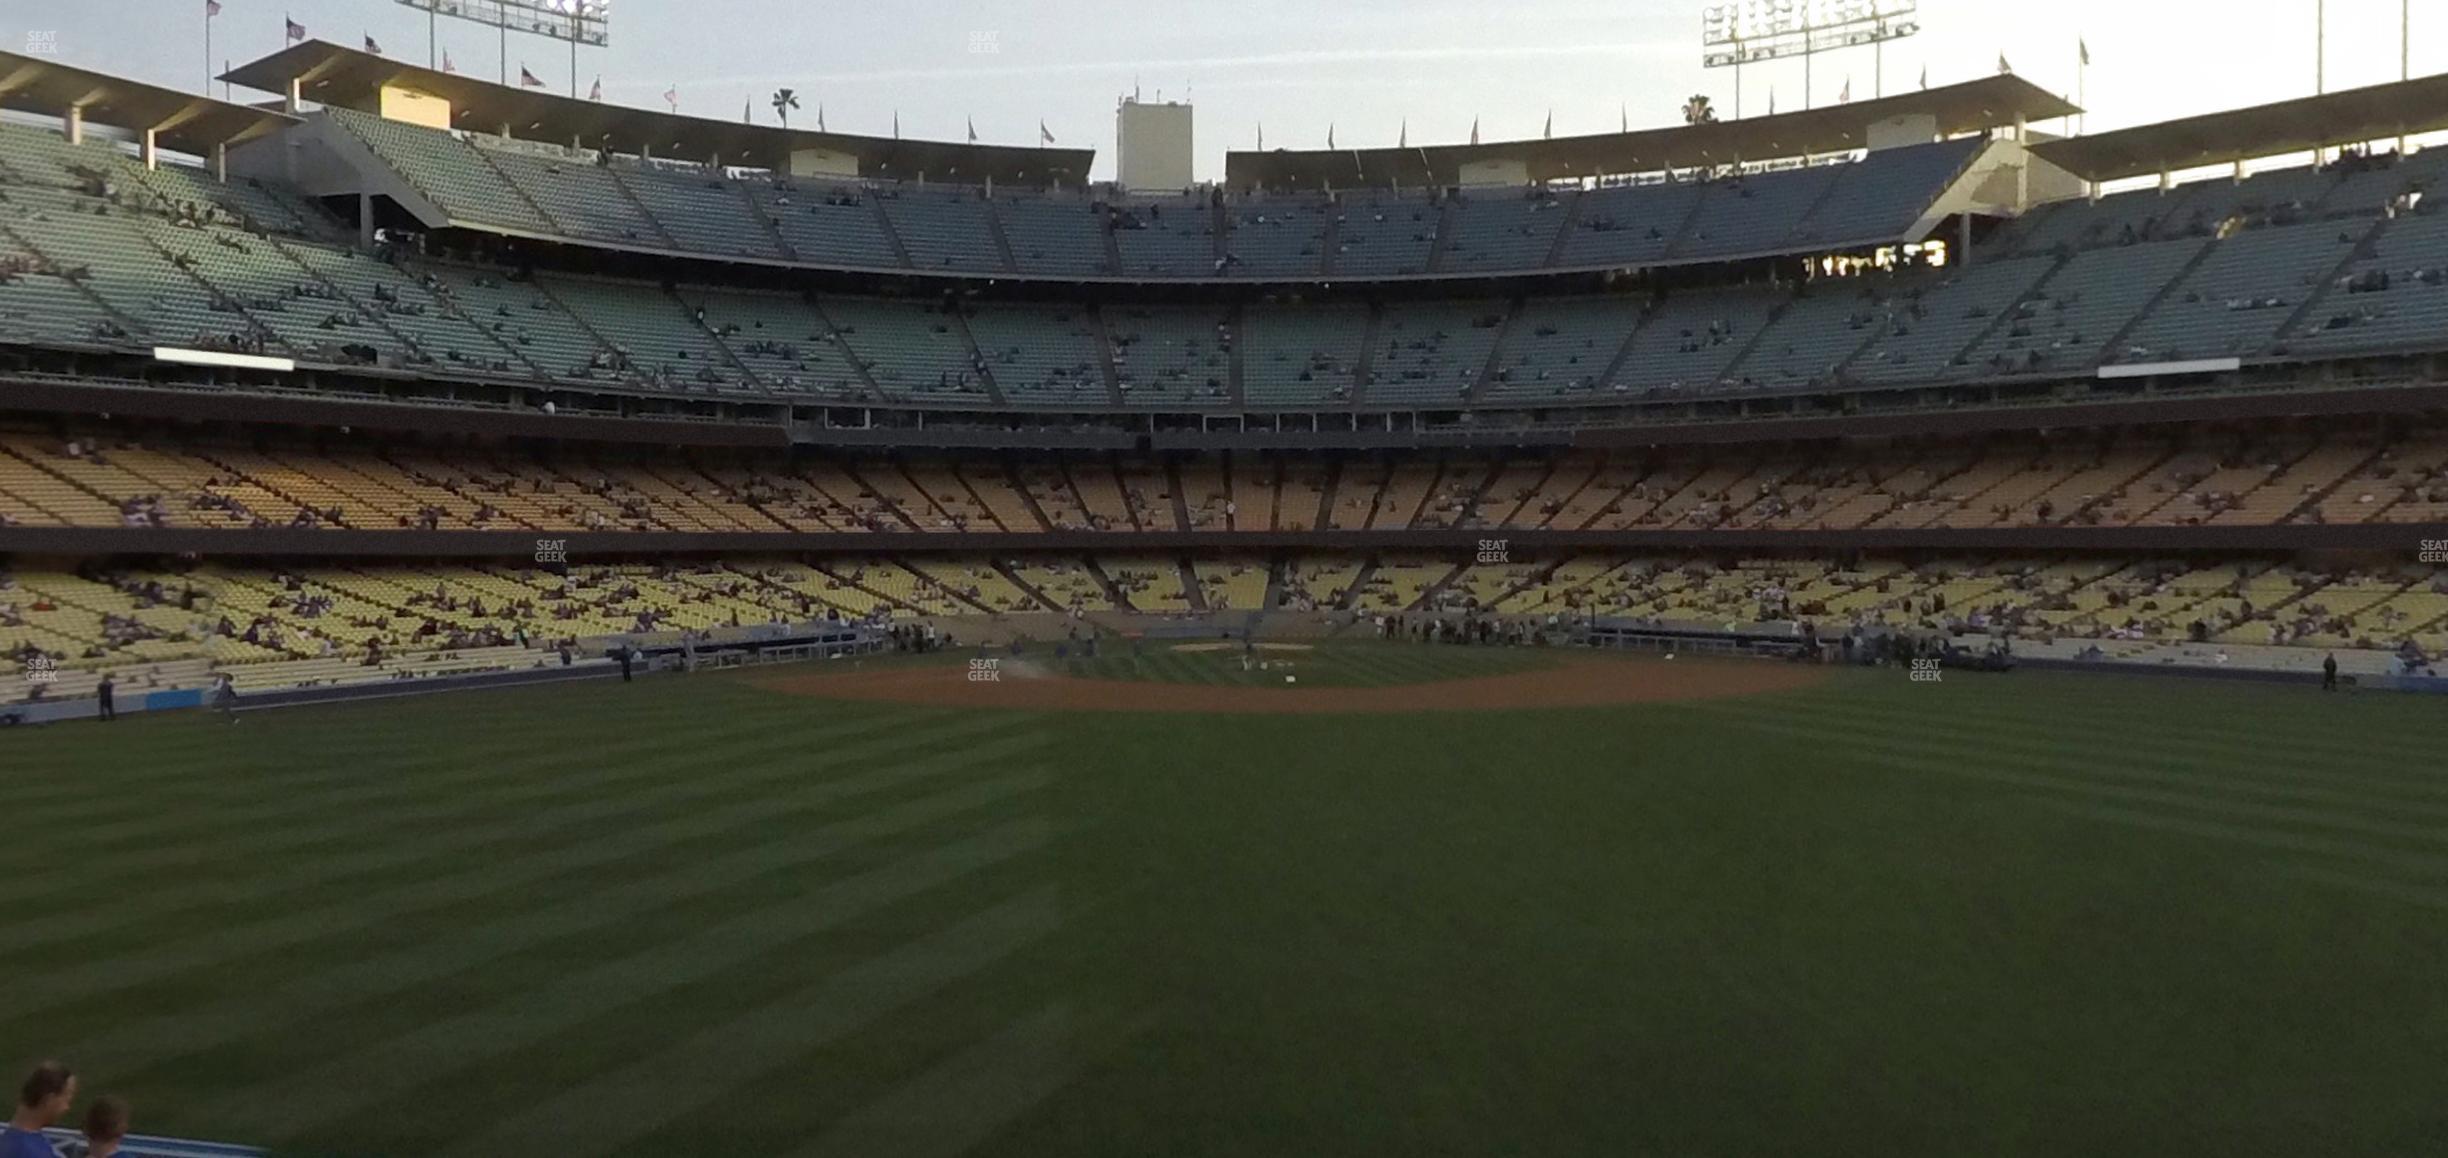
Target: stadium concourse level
98,252
89,473
285,626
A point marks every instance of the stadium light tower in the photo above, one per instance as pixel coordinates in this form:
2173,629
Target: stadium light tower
586,22
1741,32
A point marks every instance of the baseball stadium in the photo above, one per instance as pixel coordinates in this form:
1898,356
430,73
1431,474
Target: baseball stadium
537,624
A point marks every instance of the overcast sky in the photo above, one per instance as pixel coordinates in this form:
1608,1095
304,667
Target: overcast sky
1294,66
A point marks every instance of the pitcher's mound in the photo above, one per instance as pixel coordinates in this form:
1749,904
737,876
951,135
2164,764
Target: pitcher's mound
1575,683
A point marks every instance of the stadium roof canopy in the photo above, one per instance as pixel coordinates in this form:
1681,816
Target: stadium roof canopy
2361,114
183,122
1960,108
335,75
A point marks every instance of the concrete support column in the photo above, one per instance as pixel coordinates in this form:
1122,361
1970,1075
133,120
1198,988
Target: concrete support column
76,124
365,220
291,97
2167,180
220,159
146,150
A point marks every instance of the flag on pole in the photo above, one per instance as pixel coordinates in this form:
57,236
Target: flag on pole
2004,69
297,31
671,96
1262,136
447,66
1330,134
820,116
528,79
1548,133
745,119
1623,118
1474,130
1045,136
212,8
1402,139
973,130
1844,96
596,93
896,124
2085,47
372,47
1925,78
1772,100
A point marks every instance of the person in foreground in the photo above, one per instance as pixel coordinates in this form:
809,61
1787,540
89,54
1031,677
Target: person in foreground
41,1101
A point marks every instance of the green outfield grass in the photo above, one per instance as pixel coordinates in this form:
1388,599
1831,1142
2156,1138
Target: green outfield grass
2020,915
1341,665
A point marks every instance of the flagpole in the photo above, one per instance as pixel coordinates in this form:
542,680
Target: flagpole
2320,46
208,53
431,39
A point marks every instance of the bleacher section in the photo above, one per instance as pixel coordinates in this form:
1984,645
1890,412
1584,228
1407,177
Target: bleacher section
98,475
272,627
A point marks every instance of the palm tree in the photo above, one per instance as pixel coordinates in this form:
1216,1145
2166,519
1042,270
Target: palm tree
1698,110
784,100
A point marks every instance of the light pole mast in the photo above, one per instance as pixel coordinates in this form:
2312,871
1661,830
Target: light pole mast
1733,34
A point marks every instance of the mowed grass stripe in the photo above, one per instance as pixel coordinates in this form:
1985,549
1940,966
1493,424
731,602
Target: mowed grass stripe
604,1116
2300,725
962,1101
570,770
2263,740
467,882
2221,774
494,782
387,1069
302,733
2207,792
2432,897
714,770
150,1041
2287,717
1971,762
2261,838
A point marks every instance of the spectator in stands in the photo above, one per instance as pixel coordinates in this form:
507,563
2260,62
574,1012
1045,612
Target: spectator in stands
41,1101
106,1126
